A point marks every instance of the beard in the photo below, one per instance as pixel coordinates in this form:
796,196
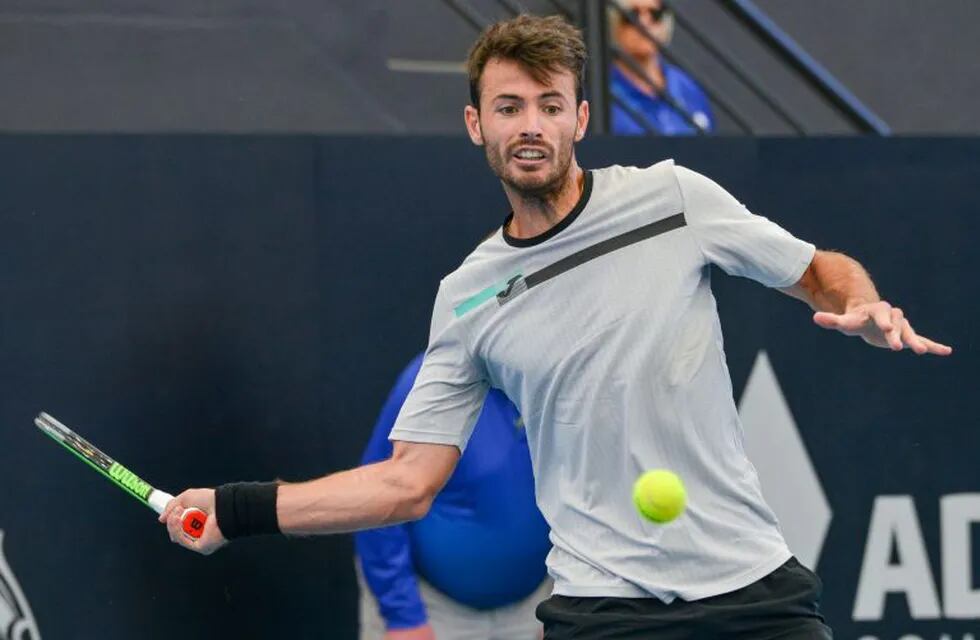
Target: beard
537,185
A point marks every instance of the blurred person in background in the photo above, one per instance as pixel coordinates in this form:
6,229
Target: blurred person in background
474,567
628,87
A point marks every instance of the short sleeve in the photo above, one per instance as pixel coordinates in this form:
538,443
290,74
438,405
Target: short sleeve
449,390
738,241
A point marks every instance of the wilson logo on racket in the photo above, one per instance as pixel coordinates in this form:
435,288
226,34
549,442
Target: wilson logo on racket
16,620
130,480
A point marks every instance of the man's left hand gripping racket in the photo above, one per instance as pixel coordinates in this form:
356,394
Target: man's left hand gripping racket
193,519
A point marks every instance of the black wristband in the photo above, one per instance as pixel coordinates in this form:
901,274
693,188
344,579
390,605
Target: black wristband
246,509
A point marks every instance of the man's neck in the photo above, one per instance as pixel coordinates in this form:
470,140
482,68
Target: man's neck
651,67
535,215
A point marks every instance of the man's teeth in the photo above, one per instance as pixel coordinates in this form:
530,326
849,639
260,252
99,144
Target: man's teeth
529,154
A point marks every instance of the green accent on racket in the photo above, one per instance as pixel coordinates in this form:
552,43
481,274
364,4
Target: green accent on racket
93,457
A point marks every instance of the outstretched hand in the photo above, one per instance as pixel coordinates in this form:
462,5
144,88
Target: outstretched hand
881,325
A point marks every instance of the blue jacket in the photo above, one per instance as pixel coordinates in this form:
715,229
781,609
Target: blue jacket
483,542
664,118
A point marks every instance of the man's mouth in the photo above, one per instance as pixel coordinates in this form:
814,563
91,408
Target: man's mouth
530,155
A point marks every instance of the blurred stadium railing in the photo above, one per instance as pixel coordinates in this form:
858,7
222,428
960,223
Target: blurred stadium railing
376,66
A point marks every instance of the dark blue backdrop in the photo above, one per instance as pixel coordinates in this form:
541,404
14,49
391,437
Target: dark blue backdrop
218,308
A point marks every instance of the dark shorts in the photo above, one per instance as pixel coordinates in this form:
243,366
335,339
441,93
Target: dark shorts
785,605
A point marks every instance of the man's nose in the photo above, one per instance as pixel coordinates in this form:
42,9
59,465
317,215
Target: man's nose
531,125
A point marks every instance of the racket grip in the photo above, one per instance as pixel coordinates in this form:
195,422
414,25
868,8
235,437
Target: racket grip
193,521
158,500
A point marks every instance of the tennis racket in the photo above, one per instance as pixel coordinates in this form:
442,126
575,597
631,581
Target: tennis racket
192,520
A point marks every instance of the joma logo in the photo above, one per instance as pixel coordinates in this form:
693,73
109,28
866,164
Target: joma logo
515,287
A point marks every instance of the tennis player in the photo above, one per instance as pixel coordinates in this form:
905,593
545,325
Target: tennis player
591,308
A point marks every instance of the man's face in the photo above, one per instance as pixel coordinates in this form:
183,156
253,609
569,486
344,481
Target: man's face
649,14
529,129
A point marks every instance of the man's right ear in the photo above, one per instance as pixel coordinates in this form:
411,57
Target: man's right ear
472,117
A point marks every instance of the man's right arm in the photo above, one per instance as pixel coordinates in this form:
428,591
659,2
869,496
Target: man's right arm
396,490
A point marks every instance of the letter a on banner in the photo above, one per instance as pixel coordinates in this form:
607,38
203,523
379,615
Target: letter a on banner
894,521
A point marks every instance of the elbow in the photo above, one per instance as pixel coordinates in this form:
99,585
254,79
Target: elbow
415,495
419,503
419,472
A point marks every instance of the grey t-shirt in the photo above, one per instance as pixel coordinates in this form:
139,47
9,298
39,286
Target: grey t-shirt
604,332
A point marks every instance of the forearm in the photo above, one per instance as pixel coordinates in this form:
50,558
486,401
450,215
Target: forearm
373,495
834,282
396,490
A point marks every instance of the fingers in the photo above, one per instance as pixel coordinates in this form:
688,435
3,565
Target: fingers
881,325
174,529
893,332
172,515
936,348
173,504
847,322
883,319
827,320
913,340
902,335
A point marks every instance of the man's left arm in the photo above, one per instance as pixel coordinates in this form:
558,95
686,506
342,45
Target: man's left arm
844,298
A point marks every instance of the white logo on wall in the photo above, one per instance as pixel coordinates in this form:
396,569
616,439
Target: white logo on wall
792,488
16,620
789,481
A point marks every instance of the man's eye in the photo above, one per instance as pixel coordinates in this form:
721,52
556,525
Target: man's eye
552,109
507,110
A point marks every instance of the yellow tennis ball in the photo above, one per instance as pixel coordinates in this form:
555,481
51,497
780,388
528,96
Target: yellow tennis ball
659,495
